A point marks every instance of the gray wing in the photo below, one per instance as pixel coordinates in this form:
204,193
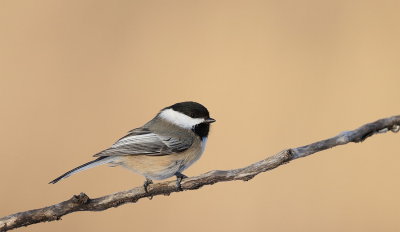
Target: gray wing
142,141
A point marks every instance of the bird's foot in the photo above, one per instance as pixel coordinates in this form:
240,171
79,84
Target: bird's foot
146,184
179,178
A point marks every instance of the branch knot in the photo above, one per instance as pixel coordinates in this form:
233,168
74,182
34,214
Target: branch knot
80,199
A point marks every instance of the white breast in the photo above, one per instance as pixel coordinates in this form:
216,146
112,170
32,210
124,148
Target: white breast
203,144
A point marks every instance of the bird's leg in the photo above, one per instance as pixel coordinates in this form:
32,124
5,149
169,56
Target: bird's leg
179,178
146,184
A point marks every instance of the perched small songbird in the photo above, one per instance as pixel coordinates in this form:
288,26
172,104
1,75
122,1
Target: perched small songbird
164,147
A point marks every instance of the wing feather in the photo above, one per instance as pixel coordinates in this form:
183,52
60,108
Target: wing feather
145,142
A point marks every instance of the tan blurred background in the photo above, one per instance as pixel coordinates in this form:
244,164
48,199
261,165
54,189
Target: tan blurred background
77,75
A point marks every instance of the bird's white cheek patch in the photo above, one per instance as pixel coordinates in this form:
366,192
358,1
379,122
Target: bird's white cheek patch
180,119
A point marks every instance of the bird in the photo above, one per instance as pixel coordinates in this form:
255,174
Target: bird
162,148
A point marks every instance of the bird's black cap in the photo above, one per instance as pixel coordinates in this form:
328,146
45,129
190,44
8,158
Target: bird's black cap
191,109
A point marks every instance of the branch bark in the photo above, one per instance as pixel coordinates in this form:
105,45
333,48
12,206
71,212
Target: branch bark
82,202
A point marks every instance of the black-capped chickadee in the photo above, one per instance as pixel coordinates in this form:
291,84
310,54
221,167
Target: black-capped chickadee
164,147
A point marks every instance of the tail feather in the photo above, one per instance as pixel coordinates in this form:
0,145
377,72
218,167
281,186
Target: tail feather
91,164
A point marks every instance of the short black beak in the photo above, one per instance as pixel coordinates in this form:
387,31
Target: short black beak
209,120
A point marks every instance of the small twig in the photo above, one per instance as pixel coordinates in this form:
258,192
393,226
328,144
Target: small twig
82,202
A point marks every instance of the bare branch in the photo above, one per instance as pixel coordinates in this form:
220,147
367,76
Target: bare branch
82,202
